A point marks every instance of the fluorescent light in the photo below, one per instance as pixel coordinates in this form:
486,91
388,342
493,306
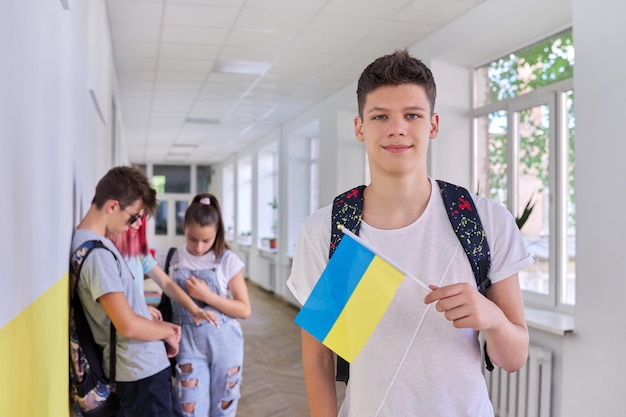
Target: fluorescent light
202,120
241,67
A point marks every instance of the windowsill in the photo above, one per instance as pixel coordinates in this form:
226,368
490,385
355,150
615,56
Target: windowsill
268,251
550,321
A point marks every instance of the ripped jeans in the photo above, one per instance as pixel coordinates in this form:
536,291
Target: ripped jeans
209,367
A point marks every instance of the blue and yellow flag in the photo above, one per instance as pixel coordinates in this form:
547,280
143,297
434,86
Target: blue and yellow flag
350,298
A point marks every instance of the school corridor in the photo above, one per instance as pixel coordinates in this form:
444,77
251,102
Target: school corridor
273,385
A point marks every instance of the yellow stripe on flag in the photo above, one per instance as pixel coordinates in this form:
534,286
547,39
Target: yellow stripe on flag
364,309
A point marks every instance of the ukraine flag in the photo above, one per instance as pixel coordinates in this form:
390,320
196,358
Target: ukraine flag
350,298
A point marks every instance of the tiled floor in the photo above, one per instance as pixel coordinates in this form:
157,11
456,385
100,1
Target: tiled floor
273,385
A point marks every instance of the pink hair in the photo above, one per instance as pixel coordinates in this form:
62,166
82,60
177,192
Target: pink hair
132,242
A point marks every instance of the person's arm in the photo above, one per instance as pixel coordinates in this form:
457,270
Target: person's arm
500,317
507,343
133,326
319,377
178,295
238,306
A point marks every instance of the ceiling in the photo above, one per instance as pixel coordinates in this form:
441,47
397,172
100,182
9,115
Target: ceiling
200,80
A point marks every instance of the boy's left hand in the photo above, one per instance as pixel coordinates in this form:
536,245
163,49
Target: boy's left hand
463,305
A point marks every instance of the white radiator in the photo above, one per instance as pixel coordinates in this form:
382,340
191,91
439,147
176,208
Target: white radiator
525,393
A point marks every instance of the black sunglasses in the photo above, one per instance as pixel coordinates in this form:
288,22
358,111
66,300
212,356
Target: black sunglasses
133,217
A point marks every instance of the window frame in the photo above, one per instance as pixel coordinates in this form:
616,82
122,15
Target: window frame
555,96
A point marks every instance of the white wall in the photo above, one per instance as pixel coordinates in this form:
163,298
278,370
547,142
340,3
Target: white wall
594,360
451,151
54,147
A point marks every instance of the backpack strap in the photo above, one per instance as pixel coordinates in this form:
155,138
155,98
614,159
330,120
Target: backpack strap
469,229
82,326
347,211
165,305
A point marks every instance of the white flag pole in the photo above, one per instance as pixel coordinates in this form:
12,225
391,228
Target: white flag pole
361,242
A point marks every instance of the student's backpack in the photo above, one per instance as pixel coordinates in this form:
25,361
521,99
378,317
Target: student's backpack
165,305
91,393
347,209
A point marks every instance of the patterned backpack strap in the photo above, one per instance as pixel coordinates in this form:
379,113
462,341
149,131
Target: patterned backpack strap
77,258
76,265
469,229
347,212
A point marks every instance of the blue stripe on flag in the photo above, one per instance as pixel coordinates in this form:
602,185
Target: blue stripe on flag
334,288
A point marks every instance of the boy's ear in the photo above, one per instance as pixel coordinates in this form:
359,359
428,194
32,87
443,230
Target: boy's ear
434,126
110,206
358,128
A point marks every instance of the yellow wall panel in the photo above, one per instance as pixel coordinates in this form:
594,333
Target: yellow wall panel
34,357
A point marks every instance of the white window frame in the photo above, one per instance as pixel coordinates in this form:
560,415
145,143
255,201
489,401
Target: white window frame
553,95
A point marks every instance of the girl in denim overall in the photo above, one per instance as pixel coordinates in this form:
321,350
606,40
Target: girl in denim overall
210,360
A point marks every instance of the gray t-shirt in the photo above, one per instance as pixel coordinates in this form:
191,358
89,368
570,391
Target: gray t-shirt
102,274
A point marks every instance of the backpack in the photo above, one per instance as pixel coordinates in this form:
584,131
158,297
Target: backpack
91,393
165,305
347,210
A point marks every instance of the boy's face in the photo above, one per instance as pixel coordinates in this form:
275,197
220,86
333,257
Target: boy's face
123,218
396,128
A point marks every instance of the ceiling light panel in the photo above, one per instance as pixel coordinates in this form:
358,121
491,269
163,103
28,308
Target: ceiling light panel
200,15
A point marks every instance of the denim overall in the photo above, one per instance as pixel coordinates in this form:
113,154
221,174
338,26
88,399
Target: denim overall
214,353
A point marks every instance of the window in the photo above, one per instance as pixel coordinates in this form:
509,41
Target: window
172,179
267,212
244,200
524,158
203,178
228,201
302,180
314,166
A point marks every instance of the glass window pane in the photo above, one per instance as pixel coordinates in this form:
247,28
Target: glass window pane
569,286
177,178
267,177
244,200
492,156
314,175
527,70
160,219
203,178
533,191
181,207
228,201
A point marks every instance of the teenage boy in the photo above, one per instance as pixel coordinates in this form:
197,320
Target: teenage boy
108,294
423,359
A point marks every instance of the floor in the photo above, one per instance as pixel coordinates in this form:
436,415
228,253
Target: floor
272,384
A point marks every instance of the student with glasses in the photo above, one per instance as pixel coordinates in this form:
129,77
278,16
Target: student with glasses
108,294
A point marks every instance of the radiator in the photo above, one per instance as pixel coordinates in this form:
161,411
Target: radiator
525,393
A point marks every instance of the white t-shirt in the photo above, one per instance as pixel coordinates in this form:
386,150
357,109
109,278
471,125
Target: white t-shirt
229,266
416,363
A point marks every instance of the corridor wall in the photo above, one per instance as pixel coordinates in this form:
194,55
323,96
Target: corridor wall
55,101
